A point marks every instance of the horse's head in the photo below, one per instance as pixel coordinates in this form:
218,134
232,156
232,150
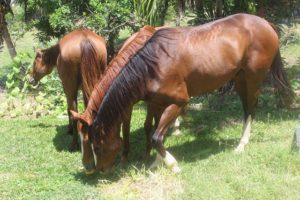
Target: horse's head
40,68
105,145
88,159
98,153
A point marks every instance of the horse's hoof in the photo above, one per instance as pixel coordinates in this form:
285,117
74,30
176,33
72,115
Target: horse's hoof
158,161
239,149
176,169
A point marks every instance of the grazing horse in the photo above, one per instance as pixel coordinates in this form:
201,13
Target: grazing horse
80,57
178,63
130,47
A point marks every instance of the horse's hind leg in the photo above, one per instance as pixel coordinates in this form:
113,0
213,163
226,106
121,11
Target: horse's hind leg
247,86
70,86
72,105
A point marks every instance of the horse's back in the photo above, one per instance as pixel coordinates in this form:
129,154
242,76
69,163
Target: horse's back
210,55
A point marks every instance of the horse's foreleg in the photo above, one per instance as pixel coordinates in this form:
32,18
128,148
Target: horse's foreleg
168,116
147,130
126,132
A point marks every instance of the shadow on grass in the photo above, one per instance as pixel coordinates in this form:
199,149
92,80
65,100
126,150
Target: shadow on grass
204,126
41,125
62,139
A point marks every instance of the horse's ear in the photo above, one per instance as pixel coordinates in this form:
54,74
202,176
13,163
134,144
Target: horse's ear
81,118
39,53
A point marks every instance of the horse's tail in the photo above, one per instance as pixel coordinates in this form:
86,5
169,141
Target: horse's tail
280,81
91,67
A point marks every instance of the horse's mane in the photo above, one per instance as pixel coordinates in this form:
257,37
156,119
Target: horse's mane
130,85
50,55
114,68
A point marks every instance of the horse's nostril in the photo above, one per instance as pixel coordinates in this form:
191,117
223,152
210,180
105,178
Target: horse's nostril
32,81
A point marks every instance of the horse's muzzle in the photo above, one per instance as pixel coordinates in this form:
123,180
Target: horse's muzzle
32,81
90,168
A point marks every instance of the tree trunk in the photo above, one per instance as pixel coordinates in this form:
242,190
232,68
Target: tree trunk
1,24
164,12
26,14
179,11
219,8
8,41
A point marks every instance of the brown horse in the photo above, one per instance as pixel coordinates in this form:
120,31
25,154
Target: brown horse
177,63
80,57
130,47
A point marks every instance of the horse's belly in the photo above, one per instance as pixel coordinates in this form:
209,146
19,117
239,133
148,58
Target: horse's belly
199,84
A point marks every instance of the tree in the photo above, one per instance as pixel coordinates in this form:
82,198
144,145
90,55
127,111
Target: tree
151,12
4,33
55,18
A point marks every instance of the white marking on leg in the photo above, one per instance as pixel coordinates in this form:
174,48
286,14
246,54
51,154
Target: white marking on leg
171,162
245,136
81,143
94,154
176,127
156,162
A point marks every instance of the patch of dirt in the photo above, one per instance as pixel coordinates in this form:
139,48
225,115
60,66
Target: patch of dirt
155,186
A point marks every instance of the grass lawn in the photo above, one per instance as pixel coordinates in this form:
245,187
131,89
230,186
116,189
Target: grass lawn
36,164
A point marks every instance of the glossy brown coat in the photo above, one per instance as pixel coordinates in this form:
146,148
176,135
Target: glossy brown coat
80,58
177,63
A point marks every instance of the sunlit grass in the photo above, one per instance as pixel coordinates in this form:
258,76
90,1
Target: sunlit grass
36,164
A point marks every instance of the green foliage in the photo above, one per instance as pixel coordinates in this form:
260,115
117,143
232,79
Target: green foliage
289,34
15,82
151,11
294,76
24,99
56,18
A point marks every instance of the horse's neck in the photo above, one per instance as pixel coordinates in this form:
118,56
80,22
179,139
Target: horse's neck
115,66
50,55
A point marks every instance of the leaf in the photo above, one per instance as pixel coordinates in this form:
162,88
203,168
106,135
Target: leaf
16,69
9,84
44,80
15,91
10,76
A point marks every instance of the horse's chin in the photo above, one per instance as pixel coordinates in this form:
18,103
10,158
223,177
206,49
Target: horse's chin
89,172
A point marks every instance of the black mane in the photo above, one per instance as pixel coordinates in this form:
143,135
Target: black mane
130,85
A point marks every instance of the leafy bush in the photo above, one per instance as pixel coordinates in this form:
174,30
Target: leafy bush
289,34
24,99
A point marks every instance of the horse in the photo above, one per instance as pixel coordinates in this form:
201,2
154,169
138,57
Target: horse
129,48
181,62
81,59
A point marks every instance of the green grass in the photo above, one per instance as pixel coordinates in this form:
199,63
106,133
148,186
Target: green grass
36,164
